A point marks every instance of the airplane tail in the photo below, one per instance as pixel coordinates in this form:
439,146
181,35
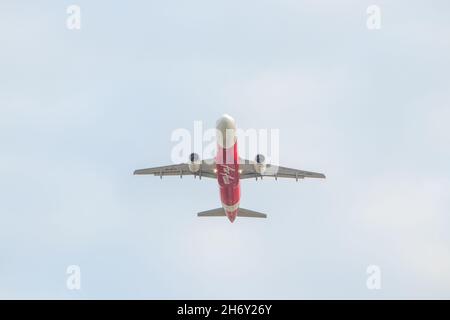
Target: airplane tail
220,212
250,214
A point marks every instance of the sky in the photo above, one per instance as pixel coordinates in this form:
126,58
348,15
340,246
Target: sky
80,110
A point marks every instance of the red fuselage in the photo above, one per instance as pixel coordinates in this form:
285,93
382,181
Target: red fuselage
227,165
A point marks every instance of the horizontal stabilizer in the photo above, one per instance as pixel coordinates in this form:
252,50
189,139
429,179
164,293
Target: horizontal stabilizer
250,214
219,212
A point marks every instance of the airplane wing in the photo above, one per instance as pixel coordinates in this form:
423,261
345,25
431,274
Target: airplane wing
248,171
206,170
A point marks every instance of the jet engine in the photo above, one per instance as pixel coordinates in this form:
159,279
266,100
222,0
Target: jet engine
194,162
260,163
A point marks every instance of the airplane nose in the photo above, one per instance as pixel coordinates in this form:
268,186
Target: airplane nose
226,130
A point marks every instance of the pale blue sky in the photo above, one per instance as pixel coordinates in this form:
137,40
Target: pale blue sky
80,110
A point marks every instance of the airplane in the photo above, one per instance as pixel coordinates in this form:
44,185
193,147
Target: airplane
228,168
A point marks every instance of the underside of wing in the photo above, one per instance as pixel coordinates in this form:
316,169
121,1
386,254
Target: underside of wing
171,170
204,169
248,171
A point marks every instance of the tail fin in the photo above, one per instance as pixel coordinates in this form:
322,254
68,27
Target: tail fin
219,212
250,214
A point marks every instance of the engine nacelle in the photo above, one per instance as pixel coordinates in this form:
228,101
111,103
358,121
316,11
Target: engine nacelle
260,163
194,162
